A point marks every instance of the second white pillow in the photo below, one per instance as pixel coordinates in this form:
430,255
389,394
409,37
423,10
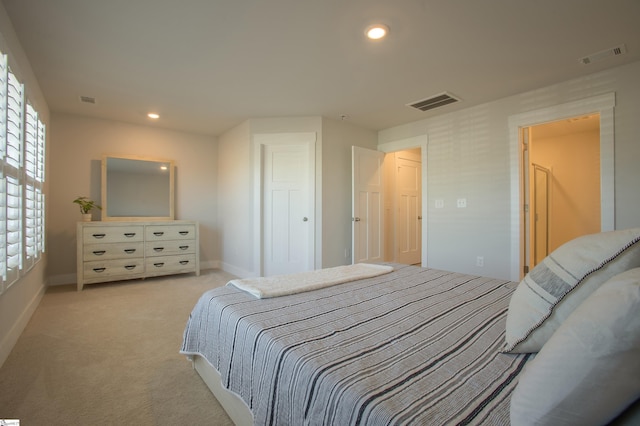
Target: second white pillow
589,370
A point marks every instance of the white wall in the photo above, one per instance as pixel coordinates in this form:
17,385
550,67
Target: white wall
18,303
76,150
235,200
468,156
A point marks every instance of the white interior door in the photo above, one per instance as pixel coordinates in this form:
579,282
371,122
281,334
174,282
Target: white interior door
288,204
409,210
367,205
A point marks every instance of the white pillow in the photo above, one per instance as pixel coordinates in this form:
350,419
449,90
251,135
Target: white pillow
565,278
589,370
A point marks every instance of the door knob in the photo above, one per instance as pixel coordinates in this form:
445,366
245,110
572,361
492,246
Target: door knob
356,219
419,217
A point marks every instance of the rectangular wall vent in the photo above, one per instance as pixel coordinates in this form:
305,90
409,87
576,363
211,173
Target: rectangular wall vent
435,101
87,99
614,51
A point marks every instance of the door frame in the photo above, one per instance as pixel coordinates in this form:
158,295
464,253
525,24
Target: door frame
293,138
604,106
422,142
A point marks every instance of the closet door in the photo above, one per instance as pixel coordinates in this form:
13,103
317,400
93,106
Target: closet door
288,203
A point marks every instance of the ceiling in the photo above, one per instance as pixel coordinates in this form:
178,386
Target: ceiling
208,65
571,126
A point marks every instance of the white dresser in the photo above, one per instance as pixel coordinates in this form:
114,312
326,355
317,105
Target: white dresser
113,251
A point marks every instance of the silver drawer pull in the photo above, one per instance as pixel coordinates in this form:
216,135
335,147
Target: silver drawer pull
129,251
183,247
158,233
183,232
129,234
99,252
159,264
98,270
129,267
184,262
158,249
98,235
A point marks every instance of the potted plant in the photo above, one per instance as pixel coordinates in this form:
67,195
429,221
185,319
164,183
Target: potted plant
86,205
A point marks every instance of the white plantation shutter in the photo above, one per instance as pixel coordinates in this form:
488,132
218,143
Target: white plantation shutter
40,160
12,170
30,152
3,231
22,161
14,229
34,177
3,183
15,122
30,237
30,142
40,174
40,205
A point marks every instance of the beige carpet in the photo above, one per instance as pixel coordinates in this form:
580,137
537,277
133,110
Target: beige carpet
109,356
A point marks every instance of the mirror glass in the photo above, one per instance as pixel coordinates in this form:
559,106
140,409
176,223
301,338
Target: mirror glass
137,188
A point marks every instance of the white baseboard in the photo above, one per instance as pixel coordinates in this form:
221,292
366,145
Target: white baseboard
238,272
11,338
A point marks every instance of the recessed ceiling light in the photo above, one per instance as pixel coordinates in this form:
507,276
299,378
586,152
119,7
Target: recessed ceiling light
153,115
377,31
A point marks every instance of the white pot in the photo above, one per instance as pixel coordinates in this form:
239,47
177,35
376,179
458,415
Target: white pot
86,217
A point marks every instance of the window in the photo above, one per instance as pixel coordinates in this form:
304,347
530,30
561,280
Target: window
22,145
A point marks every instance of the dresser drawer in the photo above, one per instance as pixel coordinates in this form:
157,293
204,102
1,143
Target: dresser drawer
160,248
161,265
124,268
170,232
92,252
112,234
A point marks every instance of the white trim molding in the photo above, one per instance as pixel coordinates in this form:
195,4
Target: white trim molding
603,105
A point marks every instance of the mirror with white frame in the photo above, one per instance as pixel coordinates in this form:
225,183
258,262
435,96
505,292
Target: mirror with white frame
137,188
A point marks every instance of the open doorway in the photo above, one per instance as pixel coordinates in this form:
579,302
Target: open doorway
387,205
561,167
403,206
603,105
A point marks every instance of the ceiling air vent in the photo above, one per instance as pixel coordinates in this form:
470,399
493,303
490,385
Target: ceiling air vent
435,101
614,51
88,99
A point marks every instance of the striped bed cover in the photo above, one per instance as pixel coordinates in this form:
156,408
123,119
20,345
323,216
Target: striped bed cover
415,346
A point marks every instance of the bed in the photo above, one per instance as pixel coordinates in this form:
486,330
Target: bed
414,346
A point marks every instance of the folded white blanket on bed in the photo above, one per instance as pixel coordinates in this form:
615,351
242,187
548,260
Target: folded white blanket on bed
282,285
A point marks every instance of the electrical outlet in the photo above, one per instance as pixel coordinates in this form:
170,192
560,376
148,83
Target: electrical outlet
347,253
480,261
462,203
439,203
